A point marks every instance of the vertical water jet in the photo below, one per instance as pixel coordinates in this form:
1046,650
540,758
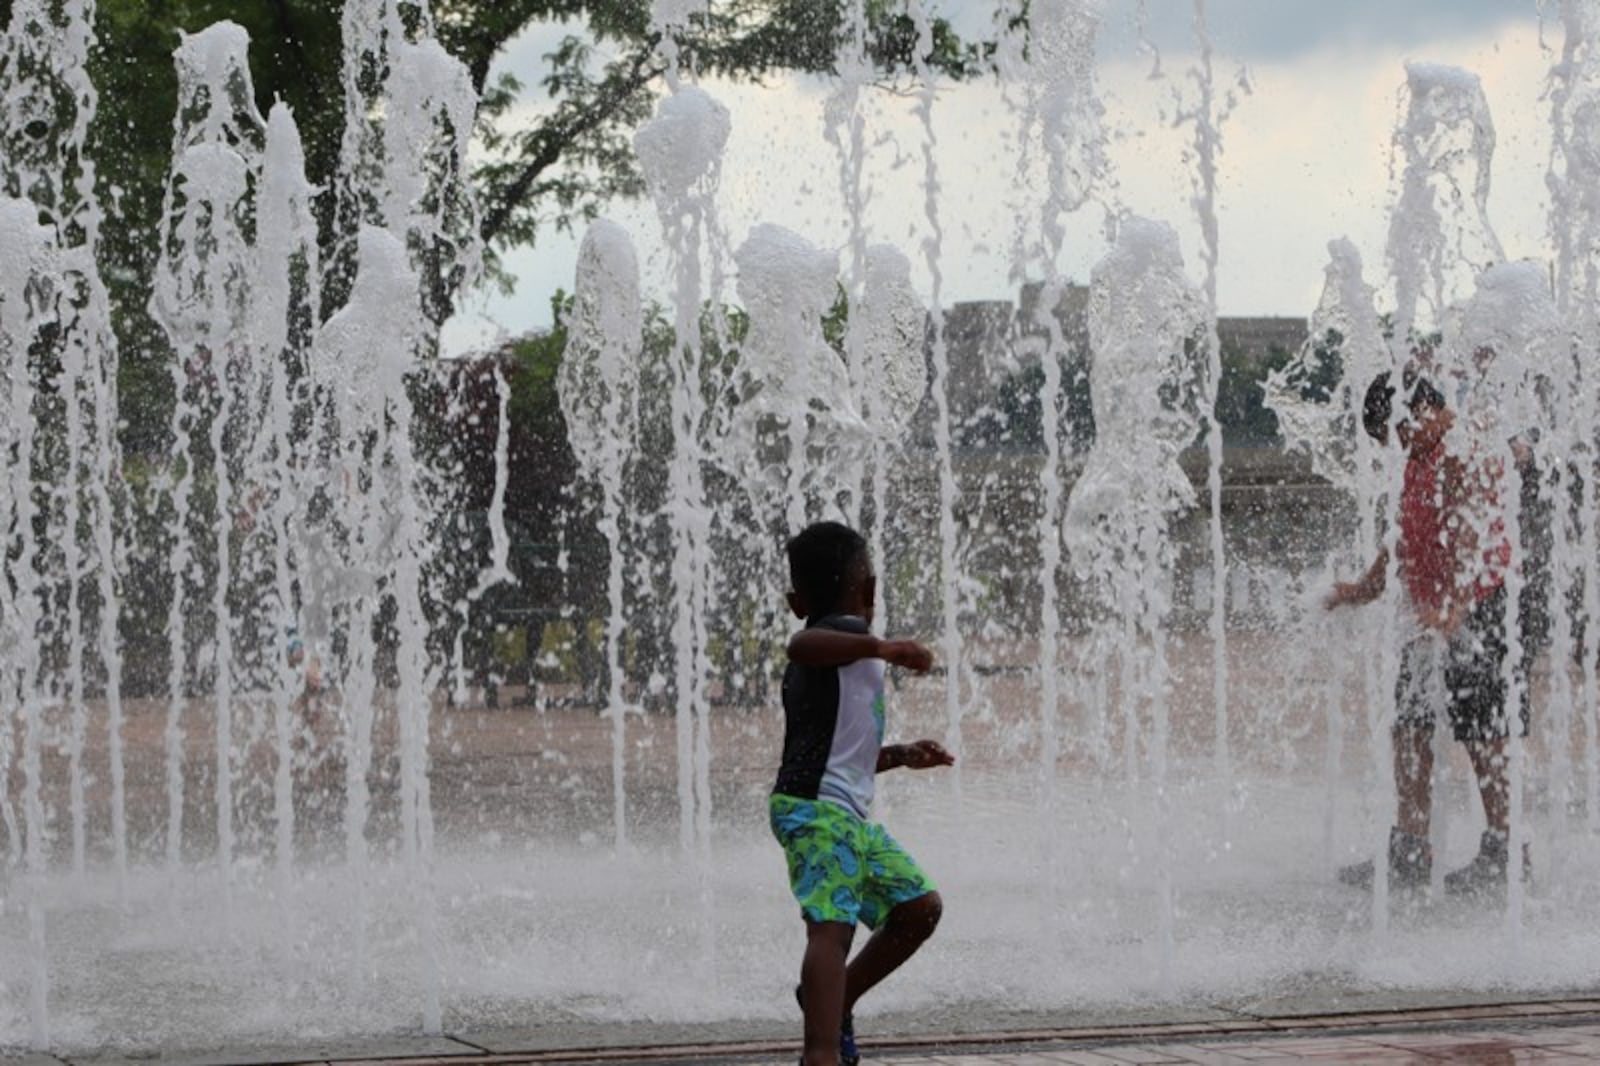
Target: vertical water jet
680,152
599,386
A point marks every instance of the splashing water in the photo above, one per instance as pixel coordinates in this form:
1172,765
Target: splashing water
1317,397
891,320
680,152
29,287
274,838
1574,183
1207,117
202,293
1065,108
952,579
1446,148
599,386
49,103
844,126
236,284
789,379
1509,337
1147,383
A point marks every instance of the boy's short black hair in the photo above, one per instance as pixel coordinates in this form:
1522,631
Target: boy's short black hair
823,559
1377,407
1423,394
1378,404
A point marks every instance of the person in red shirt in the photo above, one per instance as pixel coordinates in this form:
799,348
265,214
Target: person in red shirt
1453,555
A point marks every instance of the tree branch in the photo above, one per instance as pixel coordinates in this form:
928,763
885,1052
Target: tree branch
559,138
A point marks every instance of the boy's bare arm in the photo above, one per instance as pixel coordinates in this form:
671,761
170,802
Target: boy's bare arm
830,647
919,755
1364,589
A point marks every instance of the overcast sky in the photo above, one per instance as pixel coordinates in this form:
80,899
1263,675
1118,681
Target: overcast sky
1306,153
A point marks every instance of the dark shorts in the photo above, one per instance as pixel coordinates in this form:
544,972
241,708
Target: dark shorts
1472,687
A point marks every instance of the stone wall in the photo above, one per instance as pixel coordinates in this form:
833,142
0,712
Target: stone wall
1279,524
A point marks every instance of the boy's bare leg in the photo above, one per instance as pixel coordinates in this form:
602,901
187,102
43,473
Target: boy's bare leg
1413,778
1489,870
822,984
901,934
1489,766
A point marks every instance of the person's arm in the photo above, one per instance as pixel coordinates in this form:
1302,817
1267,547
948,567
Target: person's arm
918,755
1368,587
817,646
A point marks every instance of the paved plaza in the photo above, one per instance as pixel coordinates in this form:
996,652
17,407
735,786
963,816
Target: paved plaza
1551,1031
546,953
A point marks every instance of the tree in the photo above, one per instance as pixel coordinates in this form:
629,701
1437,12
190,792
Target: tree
561,168
458,434
556,169
1241,401
1318,376
295,58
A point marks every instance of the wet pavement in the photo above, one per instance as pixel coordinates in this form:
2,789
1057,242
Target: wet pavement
552,946
1547,1032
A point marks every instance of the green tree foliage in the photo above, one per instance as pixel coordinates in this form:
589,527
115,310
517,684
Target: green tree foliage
555,153
1241,408
558,169
1317,377
1015,420
295,58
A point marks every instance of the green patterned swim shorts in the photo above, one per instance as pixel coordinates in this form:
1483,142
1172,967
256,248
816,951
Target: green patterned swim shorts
843,869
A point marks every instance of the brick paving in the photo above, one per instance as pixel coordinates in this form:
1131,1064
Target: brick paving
1542,1032
1562,1032
1548,1044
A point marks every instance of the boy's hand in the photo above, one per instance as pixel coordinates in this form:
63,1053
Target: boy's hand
925,755
1368,588
906,653
1446,619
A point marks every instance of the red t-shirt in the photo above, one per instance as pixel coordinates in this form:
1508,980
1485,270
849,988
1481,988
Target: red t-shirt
1434,502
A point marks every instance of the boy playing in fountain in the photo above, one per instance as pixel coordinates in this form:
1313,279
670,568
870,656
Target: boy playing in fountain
1453,556
844,869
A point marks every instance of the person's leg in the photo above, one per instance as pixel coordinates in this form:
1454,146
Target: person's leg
822,984
1485,876
826,872
1478,713
1489,765
1410,852
1418,694
1410,858
1413,778
1478,694
902,933
899,903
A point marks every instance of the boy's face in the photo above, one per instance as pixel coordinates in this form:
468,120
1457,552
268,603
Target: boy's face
869,593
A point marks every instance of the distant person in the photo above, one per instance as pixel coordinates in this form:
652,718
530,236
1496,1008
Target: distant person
844,869
1536,508
1536,519
312,737
307,666
1453,555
